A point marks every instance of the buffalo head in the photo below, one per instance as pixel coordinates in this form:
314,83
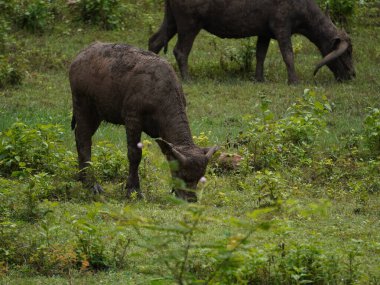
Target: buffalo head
190,162
339,59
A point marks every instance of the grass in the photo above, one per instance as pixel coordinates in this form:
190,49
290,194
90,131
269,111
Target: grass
327,217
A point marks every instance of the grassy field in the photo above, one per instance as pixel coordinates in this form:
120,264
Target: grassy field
297,211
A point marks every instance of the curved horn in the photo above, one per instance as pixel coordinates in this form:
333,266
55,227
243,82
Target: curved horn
342,47
210,151
179,156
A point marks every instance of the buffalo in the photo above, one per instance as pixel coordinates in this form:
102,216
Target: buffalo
267,19
124,85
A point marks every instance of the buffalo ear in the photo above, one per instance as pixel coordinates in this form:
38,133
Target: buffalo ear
335,42
209,151
170,148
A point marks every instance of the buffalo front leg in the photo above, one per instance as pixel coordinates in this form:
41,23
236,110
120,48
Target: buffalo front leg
182,50
286,48
134,157
261,52
83,133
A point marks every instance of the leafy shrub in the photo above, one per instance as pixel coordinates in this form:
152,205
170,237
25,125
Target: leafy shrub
109,162
269,143
11,67
97,248
305,264
305,119
22,200
267,187
372,130
108,14
35,15
300,264
8,13
90,247
368,13
241,55
9,232
4,34
44,59
25,150
153,3
185,258
55,259
11,72
341,11
203,139
8,200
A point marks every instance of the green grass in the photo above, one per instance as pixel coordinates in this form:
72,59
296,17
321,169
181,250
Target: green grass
218,99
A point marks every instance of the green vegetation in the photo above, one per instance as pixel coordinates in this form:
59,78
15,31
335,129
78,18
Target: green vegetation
342,12
303,207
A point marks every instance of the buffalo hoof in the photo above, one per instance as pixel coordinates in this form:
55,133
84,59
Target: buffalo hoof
258,79
186,77
293,82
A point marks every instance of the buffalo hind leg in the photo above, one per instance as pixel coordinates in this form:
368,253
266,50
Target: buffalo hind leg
261,52
182,50
133,130
85,129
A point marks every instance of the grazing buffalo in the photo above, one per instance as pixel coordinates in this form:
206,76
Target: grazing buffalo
123,85
267,19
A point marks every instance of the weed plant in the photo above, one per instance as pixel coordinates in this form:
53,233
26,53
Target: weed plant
108,14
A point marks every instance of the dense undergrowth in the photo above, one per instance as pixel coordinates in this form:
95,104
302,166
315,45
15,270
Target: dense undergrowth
280,158
301,208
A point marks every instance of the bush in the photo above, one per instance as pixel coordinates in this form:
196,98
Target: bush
25,150
340,11
11,72
35,15
109,162
8,200
4,34
108,14
242,55
372,131
56,259
270,143
44,59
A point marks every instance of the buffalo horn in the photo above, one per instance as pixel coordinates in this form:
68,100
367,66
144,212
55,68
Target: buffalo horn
342,47
211,151
179,156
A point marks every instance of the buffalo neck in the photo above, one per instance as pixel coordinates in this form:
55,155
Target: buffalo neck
174,125
320,30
